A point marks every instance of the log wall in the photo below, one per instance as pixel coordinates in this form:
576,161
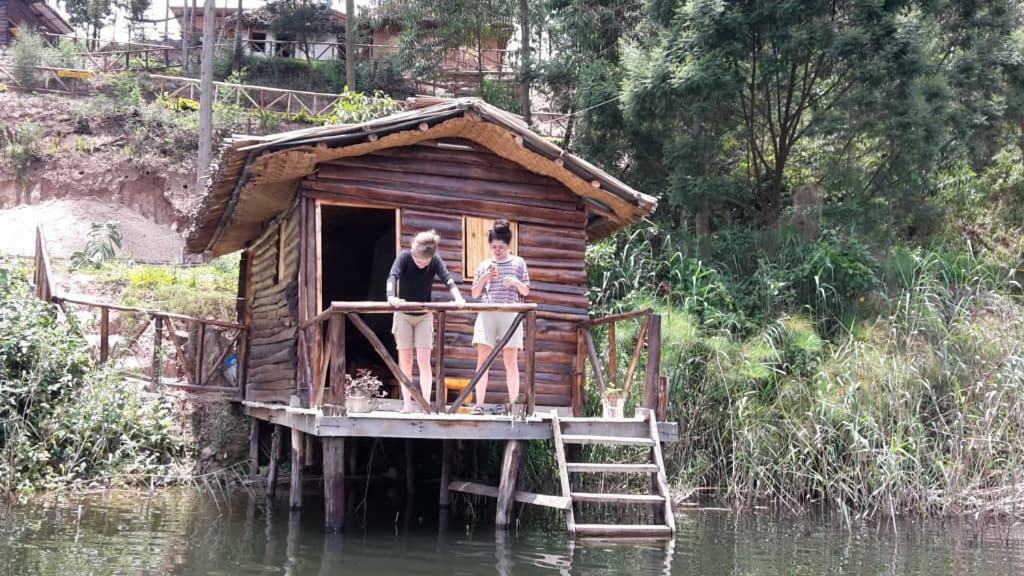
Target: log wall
273,303
434,188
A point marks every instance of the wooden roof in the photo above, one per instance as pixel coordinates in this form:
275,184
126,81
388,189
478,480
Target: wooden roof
256,177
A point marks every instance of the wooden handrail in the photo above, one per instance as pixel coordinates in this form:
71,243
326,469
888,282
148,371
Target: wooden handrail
615,318
413,308
122,308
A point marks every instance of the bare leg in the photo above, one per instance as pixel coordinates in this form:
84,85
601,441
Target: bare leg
511,358
426,375
482,352
405,363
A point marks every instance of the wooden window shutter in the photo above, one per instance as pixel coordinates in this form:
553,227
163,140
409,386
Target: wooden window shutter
474,241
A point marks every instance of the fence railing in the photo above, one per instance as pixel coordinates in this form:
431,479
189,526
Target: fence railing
262,98
329,355
655,395
200,369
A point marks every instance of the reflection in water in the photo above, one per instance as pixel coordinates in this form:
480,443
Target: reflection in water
186,533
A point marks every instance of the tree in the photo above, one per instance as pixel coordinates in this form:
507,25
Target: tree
91,15
135,12
302,21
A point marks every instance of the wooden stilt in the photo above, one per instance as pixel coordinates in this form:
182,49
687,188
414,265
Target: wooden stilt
275,458
295,495
254,448
509,475
447,453
410,478
334,482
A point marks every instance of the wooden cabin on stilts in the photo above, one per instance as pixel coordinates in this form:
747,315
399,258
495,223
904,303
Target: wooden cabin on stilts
319,214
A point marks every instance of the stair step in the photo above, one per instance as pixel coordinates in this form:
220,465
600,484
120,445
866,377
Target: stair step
609,440
617,498
623,530
611,468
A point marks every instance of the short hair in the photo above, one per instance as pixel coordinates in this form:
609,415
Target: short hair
424,245
502,230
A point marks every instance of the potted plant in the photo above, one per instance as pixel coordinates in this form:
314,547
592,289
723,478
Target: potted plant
362,391
613,403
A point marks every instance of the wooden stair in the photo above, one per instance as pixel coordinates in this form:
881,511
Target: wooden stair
661,500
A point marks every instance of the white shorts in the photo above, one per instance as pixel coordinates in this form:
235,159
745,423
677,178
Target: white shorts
490,327
413,330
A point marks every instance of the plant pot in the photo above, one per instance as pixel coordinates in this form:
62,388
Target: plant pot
613,407
358,404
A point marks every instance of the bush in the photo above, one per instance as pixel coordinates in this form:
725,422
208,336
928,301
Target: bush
356,107
28,51
20,146
62,420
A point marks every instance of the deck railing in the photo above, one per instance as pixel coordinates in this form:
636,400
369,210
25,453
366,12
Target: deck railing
331,357
655,396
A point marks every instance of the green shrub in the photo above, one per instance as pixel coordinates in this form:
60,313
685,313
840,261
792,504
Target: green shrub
103,242
356,107
20,146
28,51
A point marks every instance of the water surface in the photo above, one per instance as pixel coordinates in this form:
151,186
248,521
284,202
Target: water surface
185,532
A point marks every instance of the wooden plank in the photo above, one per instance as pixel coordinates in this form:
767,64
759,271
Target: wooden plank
613,440
598,468
612,318
623,530
578,392
563,473
179,352
275,459
200,354
617,498
439,394
389,361
477,489
613,357
334,482
338,361
157,353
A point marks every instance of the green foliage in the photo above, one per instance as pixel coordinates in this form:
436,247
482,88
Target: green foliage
383,75
302,21
63,421
19,147
499,93
356,107
28,51
207,291
104,240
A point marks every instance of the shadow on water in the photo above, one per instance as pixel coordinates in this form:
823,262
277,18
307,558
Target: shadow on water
182,532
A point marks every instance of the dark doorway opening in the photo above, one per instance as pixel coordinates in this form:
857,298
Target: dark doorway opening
357,247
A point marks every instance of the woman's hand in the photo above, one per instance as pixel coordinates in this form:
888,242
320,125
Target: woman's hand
395,300
511,282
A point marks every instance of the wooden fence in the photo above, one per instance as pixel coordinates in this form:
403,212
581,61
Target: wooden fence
262,98
655,395
329,357
200,361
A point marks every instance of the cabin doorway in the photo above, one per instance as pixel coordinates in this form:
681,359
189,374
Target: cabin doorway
357,247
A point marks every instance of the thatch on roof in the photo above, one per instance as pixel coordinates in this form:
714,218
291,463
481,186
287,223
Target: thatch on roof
256,177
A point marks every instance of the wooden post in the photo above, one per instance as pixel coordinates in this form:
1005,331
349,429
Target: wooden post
275,457
507,487
104,333
595,364
447,454
254,448
531,361
653,363
200,351
336,344
158,330
295,494
578,392
439,389
334,482
410,477
613,357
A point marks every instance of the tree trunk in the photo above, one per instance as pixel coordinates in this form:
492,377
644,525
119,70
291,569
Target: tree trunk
524,9
206,97
237,56
350,44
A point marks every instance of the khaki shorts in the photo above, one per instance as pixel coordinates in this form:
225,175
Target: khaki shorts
491,326
413,330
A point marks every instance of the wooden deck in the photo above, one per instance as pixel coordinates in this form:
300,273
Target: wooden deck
390,423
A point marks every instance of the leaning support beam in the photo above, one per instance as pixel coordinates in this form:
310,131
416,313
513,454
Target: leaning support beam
334,482
295,495
509,475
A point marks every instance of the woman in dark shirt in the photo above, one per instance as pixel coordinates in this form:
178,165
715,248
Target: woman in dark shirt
412,275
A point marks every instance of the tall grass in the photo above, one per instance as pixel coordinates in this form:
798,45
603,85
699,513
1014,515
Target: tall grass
872,385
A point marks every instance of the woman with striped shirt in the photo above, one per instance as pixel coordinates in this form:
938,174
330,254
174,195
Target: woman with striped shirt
502,279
